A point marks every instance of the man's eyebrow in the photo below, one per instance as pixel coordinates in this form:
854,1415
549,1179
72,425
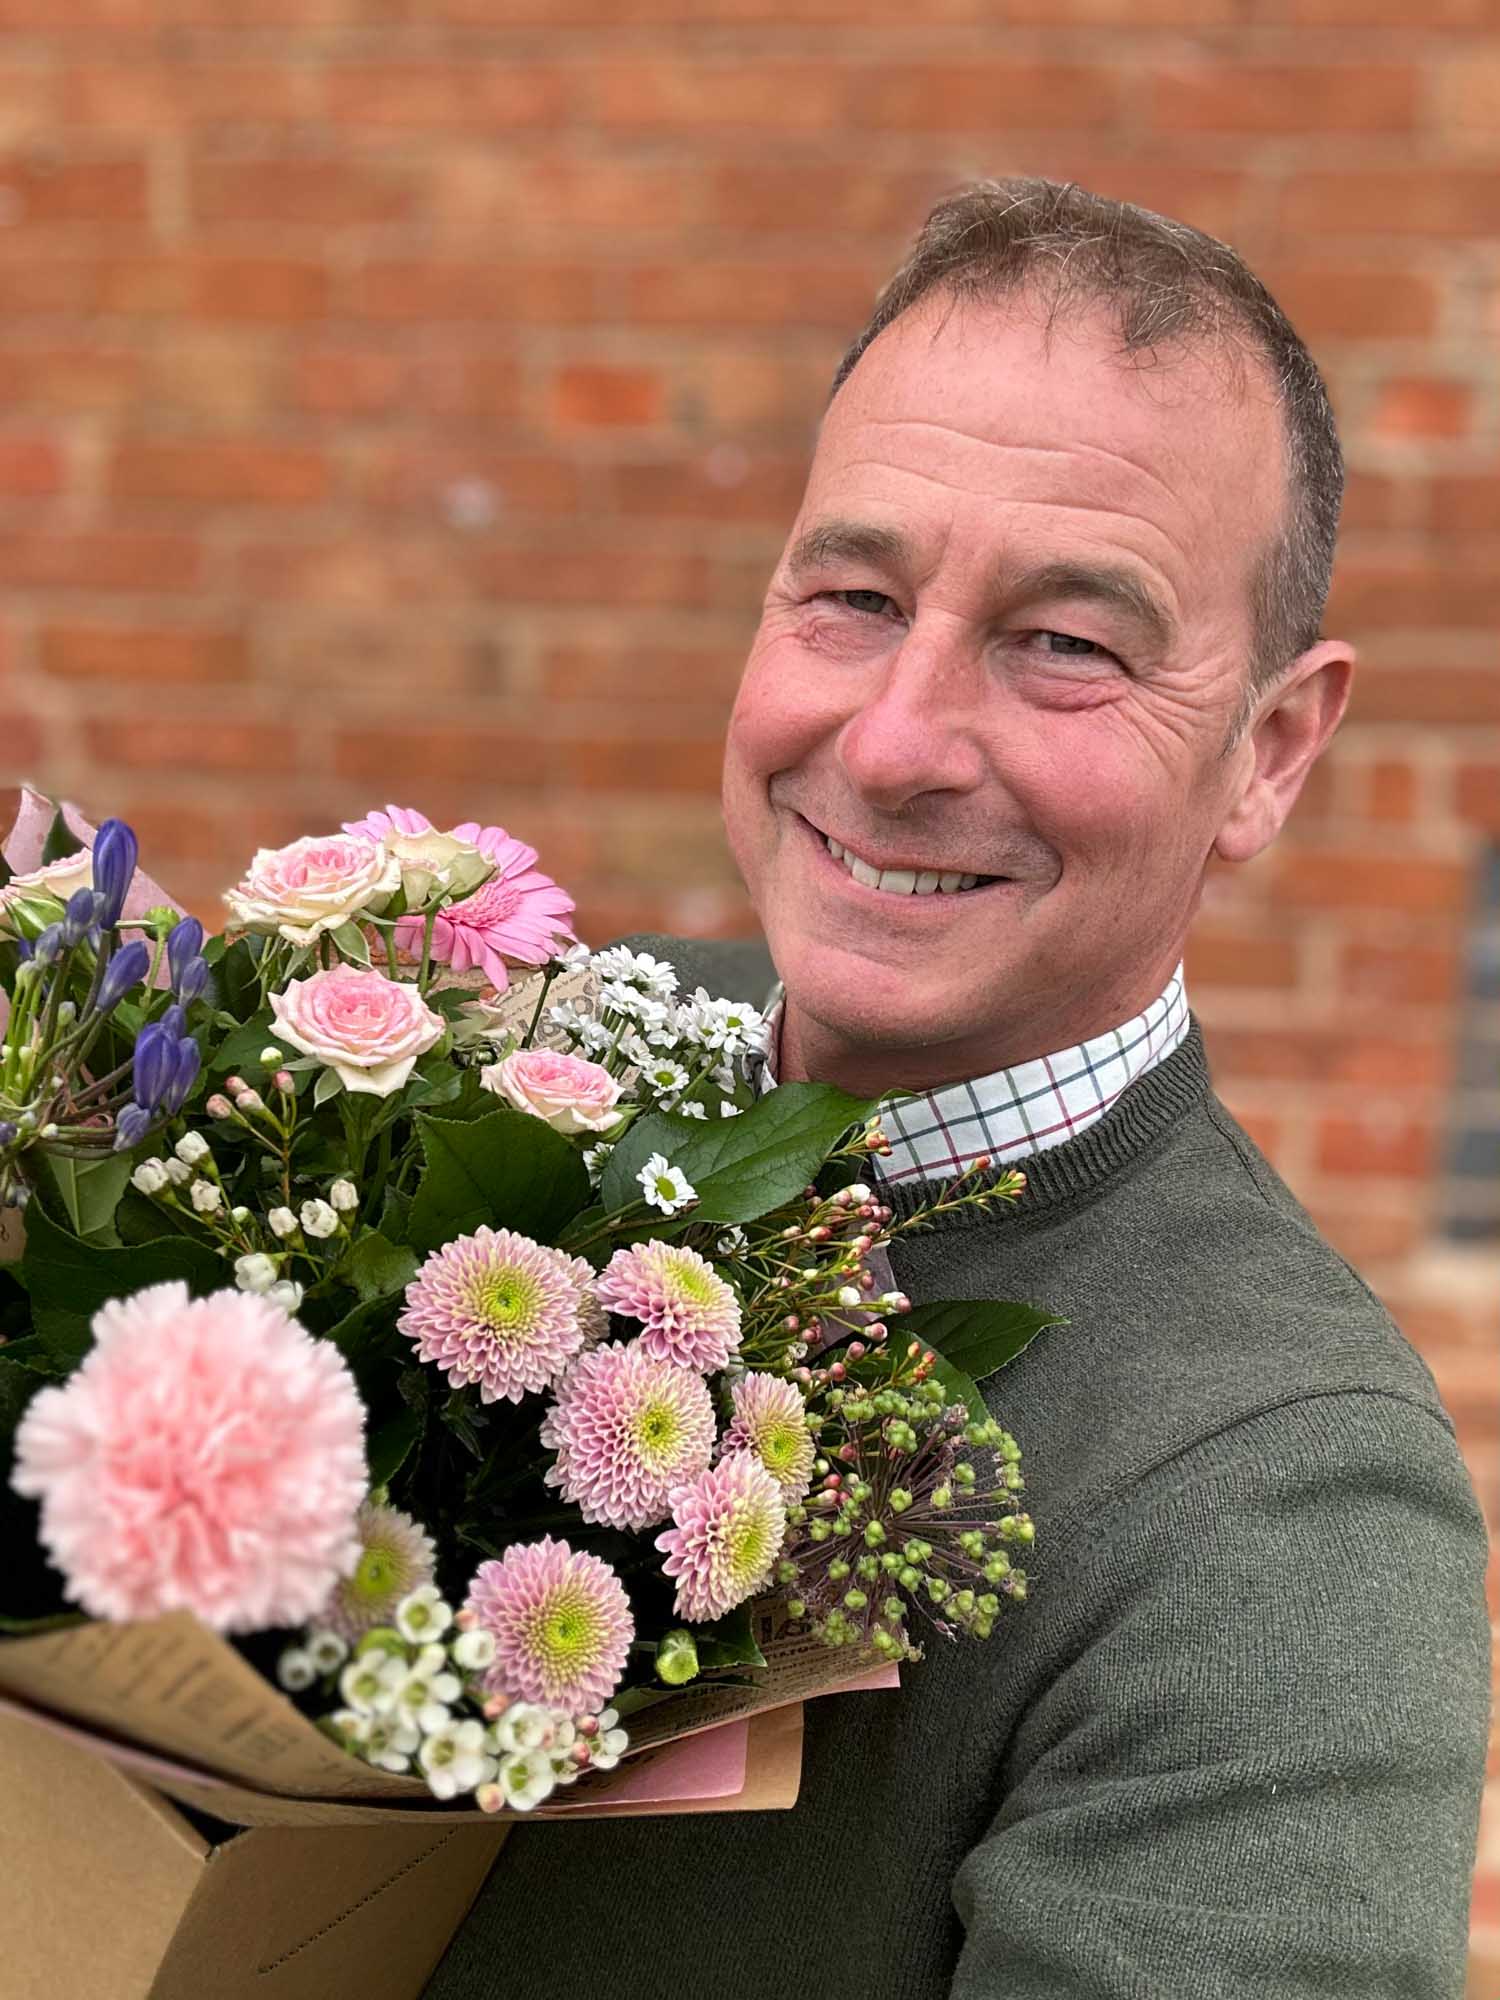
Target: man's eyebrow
1104,583
845,541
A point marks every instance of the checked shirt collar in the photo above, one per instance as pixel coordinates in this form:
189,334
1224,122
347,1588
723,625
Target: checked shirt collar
1014,1112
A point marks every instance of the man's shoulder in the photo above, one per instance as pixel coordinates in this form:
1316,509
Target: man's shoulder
729,968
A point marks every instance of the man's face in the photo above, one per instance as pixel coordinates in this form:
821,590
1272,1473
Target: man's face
1007,640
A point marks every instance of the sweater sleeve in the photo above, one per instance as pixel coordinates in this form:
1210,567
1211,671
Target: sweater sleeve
1253,1760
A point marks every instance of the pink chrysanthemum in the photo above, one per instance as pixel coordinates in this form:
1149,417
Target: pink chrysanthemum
727,1533
396,1556
207,1455
770,1420
687,1312
628,1430
561,1624
519,915
498,1309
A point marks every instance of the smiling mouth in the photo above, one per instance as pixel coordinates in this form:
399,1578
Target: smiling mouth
903,881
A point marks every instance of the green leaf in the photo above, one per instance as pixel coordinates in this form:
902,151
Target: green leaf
56,1621
395,1215
741,1167
91,1191
329,1084
18,1384
61,840
389,1446
974,1337
236,981
358,1335
68,1280
240,1049
350,942
378,1269
728,1642
504,1169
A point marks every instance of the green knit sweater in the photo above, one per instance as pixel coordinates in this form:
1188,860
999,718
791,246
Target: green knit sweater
1232,1745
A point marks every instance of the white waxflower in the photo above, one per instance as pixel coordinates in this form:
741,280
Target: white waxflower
422,1616
428,1689
282,1222
286,1293
369,1683
318,1219
526,1779
353,1727
523,1727
454,1759
255,1272
344,1196
271,1057
150,1177
390,1741
610,1744
192,1149
327,1651
177,1172
664,1186
207,1196
295,1669
474,1650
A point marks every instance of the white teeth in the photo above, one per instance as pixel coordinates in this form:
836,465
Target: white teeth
899,881
967,881
927,881
862,871
948,882
833,847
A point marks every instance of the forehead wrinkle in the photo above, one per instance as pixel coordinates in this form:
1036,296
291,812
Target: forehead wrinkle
1082,447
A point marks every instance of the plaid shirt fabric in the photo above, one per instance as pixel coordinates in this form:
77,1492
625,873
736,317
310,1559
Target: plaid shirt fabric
1023,1110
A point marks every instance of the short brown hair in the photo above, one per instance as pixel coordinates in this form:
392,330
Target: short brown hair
1164,283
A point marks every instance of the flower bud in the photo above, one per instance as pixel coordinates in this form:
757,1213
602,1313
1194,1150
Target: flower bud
255,1273
80,916
344,1196
184,943
272,1057
192,1148
187,1061
8,1134
677,1658
194,980
249,1100
318,1219
114,859
207,1197
284,1082
125,970
132,1125
286,1294
219,1106
150,1177
282,1222
178,1174
155,1064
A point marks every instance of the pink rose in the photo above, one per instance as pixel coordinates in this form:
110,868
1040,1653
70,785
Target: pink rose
365,1026
570,1094
315,885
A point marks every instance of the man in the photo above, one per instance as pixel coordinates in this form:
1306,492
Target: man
1043,642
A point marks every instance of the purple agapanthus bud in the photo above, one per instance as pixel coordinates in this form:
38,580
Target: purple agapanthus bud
132,1125
48,945
192,979
8,1134
80,917
115,851
175,1022
155,1063
187,1061
184,943
24,948
126,969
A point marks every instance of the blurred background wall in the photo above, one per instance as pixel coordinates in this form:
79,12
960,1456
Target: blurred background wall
409,402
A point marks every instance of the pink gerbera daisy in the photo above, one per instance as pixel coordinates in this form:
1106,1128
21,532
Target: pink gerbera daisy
770,1419
561,1624
207,1455
627,1430
727,1531
519,915
687,1312
499,1310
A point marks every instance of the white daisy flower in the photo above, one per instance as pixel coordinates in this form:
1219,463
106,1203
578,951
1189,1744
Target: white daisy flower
664,1186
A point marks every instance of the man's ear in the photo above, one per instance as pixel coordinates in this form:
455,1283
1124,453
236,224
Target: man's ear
1288,734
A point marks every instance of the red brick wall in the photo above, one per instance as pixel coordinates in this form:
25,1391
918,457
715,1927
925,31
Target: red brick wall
414,412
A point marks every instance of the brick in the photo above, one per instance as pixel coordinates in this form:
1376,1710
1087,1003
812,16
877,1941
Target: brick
1236,97
219,469
1354,302
650,764
208,286
595,396
31,466
1466,503
1399,975
173,656
21,747
705,293
347,381
28,103
219,375
1356,879
451,754
100,561
67,377
1375,594
723,387
1349,1053
1419,200
383,657
209,743
1420,407
1210,197
1389,1145
322,193
468,389
476,96
1302,14
1369,1239
180,95
424,290
724,483
780,198
707,98
45,191
1477,795
1438,695
1373,500
47,284
664,674
980,95
1389,791
435,479
1221,957
354,569
1464,94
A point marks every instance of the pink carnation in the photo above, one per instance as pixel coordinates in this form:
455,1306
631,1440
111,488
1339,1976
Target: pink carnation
207,1455
726,1535
519,915
561,1624
687,1312
498,1309
627,1431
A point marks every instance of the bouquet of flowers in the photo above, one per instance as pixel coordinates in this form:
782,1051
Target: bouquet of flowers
442,1311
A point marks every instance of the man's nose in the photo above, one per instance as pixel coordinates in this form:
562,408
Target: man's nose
916,730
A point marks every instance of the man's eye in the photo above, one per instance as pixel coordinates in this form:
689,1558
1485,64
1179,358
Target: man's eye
1064,642
871,602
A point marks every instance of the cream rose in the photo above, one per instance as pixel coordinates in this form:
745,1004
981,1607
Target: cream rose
571,1095
27,895
365,1026
315,885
